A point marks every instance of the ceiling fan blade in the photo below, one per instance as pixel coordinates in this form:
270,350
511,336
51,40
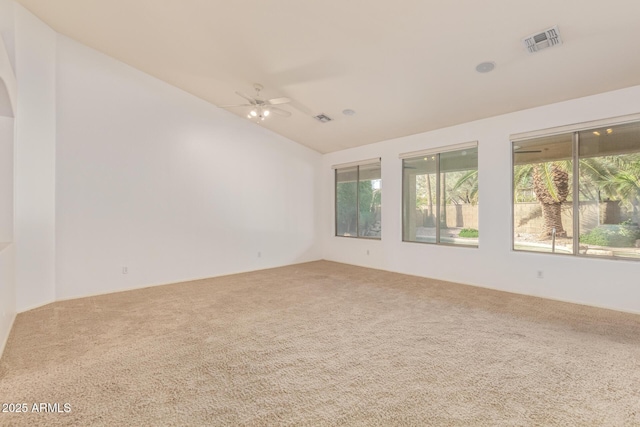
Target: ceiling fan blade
277,101
280,111
235,105
247,97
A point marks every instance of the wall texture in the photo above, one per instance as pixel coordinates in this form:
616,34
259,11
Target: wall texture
153,179
7,279
597,282
34,232
8,90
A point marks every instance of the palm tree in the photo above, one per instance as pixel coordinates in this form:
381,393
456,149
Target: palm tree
551,187
611,177
466,187
623,182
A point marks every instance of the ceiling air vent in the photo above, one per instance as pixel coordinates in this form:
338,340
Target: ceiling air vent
543,40
322,118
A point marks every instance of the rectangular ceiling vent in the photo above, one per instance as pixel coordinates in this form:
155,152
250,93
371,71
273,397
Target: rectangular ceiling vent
322,118
543,40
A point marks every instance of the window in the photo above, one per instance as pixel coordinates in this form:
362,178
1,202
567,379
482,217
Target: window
440,196
358,200
543,194
578,193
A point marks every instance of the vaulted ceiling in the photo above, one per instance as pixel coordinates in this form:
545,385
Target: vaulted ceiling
404,66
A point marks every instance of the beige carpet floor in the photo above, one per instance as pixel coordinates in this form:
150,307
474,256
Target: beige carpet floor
323,344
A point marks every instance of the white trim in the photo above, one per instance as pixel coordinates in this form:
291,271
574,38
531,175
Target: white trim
436,150
575,127
360,163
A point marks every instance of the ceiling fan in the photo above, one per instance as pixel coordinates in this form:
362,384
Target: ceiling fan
261,108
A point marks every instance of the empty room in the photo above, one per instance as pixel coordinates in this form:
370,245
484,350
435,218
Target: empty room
299,213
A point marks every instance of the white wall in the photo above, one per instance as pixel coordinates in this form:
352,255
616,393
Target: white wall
7,29
8,90
34,234
7,292
7,283
154,179
605,283
6,179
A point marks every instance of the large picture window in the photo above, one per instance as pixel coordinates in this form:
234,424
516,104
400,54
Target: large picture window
358,200
578,193
440,196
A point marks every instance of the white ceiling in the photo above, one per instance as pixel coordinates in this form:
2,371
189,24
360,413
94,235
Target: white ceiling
404,66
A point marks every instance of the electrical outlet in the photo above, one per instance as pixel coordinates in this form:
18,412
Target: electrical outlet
540,274
125,270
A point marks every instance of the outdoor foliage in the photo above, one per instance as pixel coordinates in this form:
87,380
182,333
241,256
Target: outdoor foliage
370,200
461,188
622,235
612,178
551,186
346,205
469,232
465,187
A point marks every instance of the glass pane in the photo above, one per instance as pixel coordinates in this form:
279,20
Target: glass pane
419,199
542,183
346,201
610,191
370,199
459,197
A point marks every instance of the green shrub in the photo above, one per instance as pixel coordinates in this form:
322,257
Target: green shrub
620,236
468,232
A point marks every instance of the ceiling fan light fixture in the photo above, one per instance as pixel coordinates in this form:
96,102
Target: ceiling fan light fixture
261,108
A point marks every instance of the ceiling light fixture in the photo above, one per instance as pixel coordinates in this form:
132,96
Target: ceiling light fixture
596,133
258,114
348,112
485,67
609,131
260,107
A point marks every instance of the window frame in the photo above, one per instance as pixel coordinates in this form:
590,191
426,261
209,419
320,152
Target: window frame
437,151
357,165
574,130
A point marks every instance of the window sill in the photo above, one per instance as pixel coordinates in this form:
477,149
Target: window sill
358,237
